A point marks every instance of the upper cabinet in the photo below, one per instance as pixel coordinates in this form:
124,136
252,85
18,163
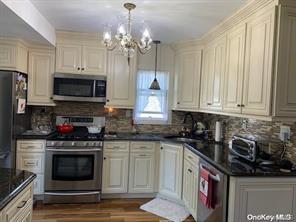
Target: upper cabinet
40,72
13,56
213,75
285,68
187,76
121,80
80,59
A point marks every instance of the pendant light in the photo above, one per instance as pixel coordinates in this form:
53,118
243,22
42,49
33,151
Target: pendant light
155,84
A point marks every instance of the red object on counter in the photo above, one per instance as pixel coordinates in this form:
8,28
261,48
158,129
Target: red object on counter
65,128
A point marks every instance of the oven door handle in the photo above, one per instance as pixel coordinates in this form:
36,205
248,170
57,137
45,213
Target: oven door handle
72,193
74,150
214,177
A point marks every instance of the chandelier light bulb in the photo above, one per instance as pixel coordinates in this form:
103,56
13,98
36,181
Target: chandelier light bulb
146,34
107,36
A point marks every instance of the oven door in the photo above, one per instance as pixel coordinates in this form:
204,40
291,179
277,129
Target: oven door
73,169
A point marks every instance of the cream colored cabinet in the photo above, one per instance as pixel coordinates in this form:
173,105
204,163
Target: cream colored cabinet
257,90
13,56
40,72
188,70
213,75
170,172
234,73
121,81
142,167
30,156
80,59
285,78
115,167
20,208
190,181
257,196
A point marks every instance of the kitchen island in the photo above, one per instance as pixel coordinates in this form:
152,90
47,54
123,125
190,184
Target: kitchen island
16,195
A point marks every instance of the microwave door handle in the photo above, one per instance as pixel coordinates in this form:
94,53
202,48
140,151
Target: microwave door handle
216,177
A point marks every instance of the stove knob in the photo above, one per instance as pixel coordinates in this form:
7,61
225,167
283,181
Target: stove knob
73,144
87,144
53,144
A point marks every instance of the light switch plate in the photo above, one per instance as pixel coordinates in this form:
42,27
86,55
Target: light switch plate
285,133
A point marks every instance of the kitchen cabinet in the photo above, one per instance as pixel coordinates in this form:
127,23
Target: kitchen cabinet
80,59
170,172
142,167
13,56
20,208
190,182
121,81
212,79
188,70
30,156
258,72
40,72
257,196
115,167
234,73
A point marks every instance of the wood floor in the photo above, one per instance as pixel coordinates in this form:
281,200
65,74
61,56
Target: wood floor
112,210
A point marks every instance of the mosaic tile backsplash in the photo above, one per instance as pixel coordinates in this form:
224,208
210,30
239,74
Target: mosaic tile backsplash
121,121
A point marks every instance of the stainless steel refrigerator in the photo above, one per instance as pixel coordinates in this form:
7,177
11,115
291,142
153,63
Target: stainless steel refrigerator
14,114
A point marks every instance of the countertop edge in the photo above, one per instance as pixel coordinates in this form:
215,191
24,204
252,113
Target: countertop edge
18,190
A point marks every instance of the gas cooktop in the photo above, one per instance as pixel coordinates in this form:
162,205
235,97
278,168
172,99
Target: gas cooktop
77,135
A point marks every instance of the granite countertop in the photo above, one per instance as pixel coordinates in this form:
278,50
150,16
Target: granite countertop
12,182
134,137
218,155
30,134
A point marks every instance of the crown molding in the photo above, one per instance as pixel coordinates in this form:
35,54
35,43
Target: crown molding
78,37
188,45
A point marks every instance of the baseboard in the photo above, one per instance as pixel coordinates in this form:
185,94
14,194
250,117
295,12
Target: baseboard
128,195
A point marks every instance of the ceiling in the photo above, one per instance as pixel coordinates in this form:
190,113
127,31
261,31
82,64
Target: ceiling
168,20
13,26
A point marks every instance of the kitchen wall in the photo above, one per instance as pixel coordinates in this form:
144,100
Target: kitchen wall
120,121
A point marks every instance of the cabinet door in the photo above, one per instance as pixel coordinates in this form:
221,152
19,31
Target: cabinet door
93,60
285,104
68,58
115,172
234,69
41,69
121,81
188,71
258,65
213,75
170,175
141,173
8,55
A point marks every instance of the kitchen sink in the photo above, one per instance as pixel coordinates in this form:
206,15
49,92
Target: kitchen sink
183,139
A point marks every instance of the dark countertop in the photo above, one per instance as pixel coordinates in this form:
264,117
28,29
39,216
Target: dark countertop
218,156
12,182
135,137
33,135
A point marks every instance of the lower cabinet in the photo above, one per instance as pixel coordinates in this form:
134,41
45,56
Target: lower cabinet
170,172
30,156
190,182
250,196
20,208
115,172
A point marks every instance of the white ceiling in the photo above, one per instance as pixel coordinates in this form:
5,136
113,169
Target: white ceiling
168,20
13,26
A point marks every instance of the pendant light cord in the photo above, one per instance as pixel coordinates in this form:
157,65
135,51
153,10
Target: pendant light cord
156,44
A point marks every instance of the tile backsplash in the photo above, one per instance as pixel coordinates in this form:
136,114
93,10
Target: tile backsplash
120,121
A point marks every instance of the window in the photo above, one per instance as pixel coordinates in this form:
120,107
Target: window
152,105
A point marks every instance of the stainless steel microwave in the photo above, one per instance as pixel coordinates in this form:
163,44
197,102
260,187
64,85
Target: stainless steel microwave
75,87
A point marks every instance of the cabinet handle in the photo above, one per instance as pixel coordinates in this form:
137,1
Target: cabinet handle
189,170
78,68
23,204
116,147
30,164
108,100
51,97
190,157
178,103
242,105
82,69
238,105
142,155
105,158
161,148
31,147
209,104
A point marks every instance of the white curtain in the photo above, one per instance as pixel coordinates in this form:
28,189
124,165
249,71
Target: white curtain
151,105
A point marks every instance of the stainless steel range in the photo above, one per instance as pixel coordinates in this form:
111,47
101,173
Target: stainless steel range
73,170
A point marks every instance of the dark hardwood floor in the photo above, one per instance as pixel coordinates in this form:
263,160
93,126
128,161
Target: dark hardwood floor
111,210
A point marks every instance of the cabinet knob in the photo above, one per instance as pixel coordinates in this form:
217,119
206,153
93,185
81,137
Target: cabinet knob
104,158
78,68
161,148
238,105
82,69
51,97
178,103
108,100
242,105
189,170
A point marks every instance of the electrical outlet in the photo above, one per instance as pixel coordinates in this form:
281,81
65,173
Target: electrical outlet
285,133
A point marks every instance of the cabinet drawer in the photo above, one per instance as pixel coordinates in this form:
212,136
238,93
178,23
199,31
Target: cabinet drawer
14,209
116,146
29,146
191,157
33,162
142,147
38,184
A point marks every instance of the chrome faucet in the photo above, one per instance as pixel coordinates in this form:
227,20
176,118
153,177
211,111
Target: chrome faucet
192,121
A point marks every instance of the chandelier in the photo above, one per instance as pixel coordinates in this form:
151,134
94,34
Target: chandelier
125,42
